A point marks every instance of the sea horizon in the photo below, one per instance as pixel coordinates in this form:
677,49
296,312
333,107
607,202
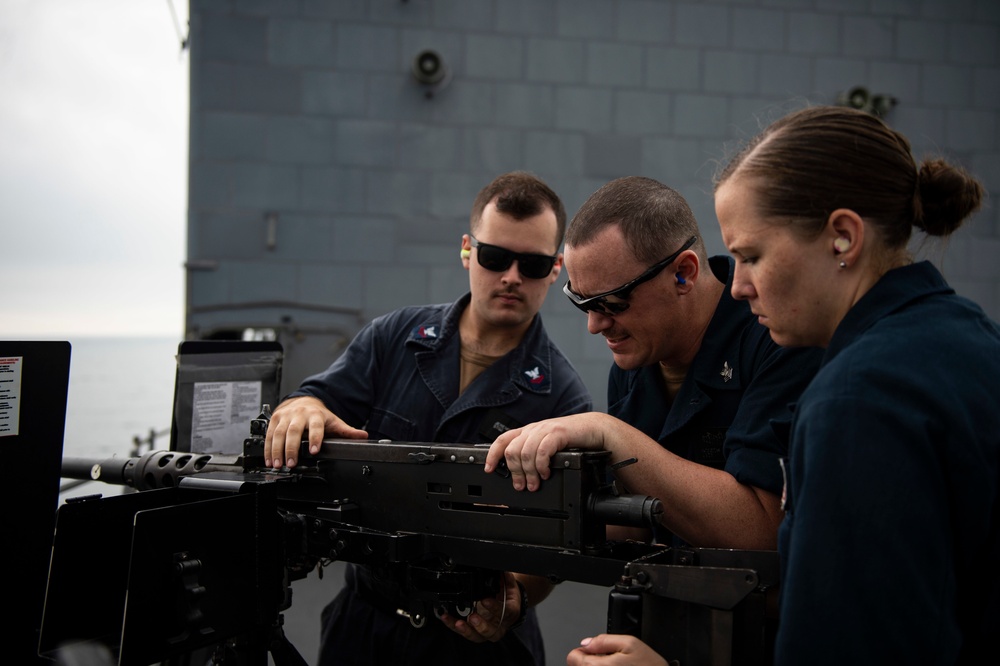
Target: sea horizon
120,388
69,337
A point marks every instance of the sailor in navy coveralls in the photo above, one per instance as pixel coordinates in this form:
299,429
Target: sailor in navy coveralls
891,542
459,373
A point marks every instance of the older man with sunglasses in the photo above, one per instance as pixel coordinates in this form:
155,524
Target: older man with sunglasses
459,372
698,395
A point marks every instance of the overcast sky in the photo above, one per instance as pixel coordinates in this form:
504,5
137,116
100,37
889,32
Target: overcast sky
93,167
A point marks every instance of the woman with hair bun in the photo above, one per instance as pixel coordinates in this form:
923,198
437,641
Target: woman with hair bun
890,544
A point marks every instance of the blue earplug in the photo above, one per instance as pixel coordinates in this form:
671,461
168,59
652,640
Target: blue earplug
680,279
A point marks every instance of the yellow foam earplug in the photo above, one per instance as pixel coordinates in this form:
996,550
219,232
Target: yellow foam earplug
465,254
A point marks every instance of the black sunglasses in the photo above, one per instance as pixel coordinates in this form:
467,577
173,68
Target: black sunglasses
601,304
498,259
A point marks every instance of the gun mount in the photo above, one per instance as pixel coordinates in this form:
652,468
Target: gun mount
204,556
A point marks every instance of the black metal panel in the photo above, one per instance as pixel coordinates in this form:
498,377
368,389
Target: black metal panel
164,572
37,401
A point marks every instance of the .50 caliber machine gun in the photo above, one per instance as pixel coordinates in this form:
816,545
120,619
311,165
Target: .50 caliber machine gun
204,557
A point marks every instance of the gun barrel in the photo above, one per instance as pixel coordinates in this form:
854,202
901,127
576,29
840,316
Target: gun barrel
108,470
156,469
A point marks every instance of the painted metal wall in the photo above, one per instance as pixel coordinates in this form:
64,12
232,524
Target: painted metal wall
327,185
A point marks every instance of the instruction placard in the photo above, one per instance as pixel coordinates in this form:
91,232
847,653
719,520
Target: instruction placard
10,394
222,412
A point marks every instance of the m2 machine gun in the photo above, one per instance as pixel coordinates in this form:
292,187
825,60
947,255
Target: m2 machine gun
203,558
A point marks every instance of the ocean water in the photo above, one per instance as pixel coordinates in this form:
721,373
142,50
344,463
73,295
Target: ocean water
120,389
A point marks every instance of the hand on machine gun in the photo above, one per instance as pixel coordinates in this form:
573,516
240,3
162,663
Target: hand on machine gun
529,449
289,424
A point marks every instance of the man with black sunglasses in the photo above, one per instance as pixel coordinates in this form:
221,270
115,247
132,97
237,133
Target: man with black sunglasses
698,394
460,372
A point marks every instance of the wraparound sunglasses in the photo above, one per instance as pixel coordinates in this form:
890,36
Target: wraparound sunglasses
601,304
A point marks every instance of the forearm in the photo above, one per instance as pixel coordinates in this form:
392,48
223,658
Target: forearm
704,506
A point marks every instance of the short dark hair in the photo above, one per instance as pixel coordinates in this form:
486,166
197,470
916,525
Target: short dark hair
521,195
816,160
654,219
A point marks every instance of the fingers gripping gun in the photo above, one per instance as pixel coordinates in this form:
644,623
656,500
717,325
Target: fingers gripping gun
206,553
